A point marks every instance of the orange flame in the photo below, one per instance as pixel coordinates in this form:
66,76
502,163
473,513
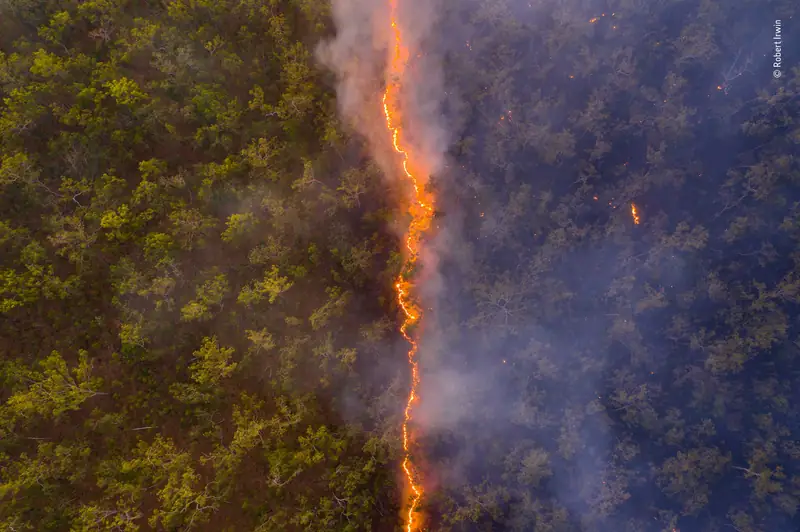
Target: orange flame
421,211
635,214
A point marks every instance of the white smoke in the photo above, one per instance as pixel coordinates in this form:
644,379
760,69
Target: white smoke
359,55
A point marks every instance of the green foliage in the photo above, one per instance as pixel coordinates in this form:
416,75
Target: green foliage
129,134
335,306
125,91
272,286
208,295
54,389
261,340
51,463
227,459
123,224
33,278
238,225
189,226
158,247
212,363
16,168
47,65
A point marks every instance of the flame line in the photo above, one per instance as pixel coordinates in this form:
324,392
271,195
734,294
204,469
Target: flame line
421,211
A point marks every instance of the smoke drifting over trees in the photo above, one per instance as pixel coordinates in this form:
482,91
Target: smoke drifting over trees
199,220
593,373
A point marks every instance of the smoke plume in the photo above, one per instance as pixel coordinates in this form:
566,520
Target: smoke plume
358,56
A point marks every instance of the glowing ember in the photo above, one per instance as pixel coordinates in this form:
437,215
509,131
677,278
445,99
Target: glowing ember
635,214
421,211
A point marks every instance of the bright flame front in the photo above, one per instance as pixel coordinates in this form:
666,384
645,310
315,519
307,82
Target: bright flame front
635,214
421,211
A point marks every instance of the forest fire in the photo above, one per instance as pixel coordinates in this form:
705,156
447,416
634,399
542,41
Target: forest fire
635,214
421,211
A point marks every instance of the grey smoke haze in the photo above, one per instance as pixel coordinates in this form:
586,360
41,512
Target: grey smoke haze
466,389
358,56
468,395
